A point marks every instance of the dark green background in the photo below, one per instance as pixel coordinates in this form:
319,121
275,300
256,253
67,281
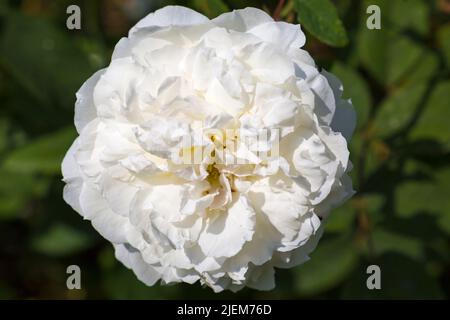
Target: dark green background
397,77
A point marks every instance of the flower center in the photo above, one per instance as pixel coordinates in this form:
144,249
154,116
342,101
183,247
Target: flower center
213,176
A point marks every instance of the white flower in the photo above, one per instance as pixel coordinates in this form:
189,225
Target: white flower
223,222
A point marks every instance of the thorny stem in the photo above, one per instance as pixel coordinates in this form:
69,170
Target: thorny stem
277,13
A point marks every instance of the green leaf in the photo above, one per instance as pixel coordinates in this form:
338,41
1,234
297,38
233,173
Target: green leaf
409,15
16,189
398,109
389,241
444,222
399,16
433,123
341,219
424,71
430,196
320,17
403,56
330,264
43,58
211,8
443,37
388,54
356,89
3,8
388,57
61,240
43,155
415,196
95,51
372,204
372,52
4,125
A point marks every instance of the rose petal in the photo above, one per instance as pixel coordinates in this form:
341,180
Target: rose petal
242,19
227,232
170,16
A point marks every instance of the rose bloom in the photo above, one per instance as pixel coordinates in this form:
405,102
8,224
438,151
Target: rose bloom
229,219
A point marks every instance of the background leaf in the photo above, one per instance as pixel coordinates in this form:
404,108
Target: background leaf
433,123
329,265
398,109
43,155
61,240
321,19
393,241
356,89
443,36
55,67
211,8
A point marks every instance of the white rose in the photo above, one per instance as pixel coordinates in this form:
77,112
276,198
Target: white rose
220,221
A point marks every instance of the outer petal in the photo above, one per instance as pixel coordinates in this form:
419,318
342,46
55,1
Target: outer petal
242,19
325,101
85,110
115,89
72,177
300,255
71,194
110,225
69,167
283,35
344,120
132,259
170,16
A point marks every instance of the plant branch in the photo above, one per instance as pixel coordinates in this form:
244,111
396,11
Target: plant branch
277,13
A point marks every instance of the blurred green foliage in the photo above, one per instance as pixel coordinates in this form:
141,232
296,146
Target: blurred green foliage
397,77
320,17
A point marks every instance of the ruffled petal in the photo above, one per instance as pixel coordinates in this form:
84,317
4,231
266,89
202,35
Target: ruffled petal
170,16
344,120
227,232
132,259
85,110
242,20
283,35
